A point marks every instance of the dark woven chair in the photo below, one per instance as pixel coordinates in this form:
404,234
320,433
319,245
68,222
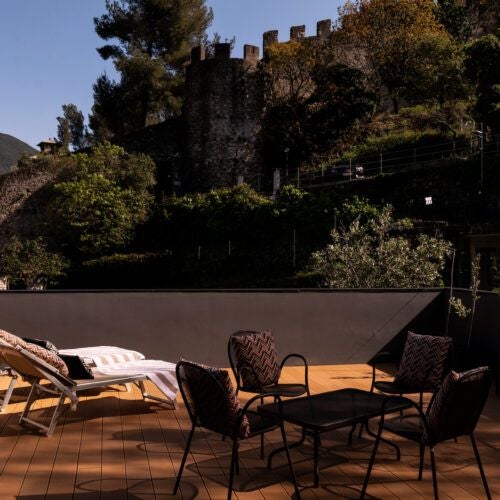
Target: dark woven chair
425,362
454,411
254,361
211,403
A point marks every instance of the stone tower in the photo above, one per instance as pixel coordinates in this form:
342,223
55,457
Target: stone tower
223,106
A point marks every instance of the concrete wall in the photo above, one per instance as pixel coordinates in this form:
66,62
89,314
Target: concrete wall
326,326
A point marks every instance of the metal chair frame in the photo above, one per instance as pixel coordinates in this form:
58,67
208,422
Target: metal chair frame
262,389
431,441
234,467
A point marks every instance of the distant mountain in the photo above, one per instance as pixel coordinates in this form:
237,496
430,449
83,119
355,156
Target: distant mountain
11,149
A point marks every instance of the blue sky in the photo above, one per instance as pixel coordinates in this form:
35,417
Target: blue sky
48,56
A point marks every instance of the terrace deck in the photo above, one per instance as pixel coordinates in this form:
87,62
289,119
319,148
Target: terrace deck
116,446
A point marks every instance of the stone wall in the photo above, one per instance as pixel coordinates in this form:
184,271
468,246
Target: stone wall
222,116
224,103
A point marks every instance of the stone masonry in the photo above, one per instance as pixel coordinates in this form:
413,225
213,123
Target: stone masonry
224,103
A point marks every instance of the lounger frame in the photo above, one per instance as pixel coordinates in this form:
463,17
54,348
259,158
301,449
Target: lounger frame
33,370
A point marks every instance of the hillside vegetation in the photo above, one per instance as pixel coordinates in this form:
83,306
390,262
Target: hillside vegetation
107,216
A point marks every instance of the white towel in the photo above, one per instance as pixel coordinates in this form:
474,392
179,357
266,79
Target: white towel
161,373
104,355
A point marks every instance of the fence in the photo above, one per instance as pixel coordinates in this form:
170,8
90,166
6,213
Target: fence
390,162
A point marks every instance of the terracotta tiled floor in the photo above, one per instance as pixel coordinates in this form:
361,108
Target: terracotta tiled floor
117,446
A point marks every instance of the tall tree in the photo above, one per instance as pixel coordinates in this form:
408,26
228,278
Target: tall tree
153,38
482,65
312,102
381,37
71,128
454,18
98,204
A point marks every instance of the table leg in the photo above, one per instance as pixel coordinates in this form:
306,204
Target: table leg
282,448
316,459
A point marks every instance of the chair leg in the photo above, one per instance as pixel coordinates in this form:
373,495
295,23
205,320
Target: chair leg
349,439
184,457
361,428
237,459
434,475
262,446
372,462
480,465
289,458
421,464
232,467
8,392
421,401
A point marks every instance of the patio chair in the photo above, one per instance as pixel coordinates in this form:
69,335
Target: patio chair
33,369
454,411
254,362
424,364
211,403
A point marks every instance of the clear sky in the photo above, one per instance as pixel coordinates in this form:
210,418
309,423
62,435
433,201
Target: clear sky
48,56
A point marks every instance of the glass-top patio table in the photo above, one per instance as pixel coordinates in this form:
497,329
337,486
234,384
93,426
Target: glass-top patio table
331,410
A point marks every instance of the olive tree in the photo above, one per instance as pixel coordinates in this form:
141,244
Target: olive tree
378,254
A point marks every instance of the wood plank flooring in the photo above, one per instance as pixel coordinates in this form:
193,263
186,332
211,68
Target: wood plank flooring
116,446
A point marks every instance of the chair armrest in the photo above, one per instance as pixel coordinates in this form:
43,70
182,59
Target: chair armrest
251,401
414,405
378,358
306,366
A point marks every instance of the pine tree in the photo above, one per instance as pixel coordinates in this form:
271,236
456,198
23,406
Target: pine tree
153,39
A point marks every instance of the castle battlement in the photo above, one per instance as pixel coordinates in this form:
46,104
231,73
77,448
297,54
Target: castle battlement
323,31
222,51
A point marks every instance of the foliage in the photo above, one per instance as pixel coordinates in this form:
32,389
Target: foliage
454,18
370,255
71,128
30,263
383,37
482,65
152,41
103,199
438,71
288,71
210,44
313,102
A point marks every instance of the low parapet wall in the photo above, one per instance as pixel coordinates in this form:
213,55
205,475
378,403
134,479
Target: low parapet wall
327,326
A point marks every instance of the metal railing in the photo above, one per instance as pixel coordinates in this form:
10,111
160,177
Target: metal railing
369,166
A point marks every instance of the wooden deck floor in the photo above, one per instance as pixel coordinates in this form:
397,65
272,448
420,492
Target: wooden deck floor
115,446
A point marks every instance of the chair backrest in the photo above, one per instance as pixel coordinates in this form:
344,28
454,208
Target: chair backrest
424,361
254,359
210,398
29,365
457,406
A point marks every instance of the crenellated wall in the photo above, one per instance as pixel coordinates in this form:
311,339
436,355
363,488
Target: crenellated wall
224,103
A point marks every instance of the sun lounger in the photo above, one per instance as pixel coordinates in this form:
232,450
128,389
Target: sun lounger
33,370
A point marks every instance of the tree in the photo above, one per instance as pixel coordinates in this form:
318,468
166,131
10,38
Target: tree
71,128
381,36
99,205
153,38
312,102
373,255
30,263
482,64
454,18
438,73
